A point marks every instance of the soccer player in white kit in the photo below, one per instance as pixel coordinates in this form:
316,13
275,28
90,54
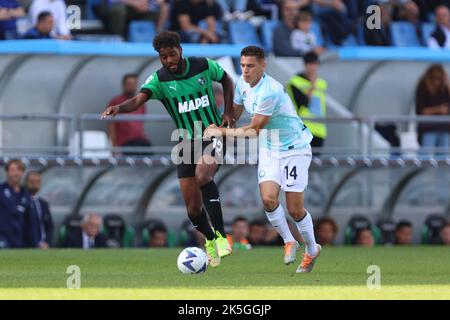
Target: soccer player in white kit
284,152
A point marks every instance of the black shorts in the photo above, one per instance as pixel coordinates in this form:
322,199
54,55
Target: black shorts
187,162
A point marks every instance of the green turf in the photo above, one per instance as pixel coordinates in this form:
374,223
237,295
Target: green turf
340,273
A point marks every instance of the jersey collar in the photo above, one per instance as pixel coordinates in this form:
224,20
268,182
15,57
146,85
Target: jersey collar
188,65
259,82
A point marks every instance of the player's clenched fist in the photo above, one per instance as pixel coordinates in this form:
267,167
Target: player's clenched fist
111,111
212,131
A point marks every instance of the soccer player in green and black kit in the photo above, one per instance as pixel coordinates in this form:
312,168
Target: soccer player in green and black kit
184,86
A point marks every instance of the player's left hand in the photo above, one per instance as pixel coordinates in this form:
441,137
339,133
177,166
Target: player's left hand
212,131
228,121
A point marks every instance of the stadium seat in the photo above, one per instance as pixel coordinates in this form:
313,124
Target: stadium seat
118,233
356,223
315,28
427,29
141,31
267,34
431,228
219,29
70,224
148,225
387,231
404,34
243,32
360,33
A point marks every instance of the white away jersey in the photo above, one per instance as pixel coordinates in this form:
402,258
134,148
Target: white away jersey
269,98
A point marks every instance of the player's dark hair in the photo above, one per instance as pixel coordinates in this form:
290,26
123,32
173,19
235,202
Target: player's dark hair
129,75
253,51
166,39
43,15
311,57
402,224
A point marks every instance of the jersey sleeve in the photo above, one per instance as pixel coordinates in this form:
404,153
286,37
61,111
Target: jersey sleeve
266,105
151,87
216,72
237,98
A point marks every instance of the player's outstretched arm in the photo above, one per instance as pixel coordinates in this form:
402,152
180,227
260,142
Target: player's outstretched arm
129,105
252,130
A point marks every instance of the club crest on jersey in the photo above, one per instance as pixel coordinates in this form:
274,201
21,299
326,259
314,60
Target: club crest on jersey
201,80
190,105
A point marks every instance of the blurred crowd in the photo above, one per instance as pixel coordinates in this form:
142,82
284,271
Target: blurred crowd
26,222
207,21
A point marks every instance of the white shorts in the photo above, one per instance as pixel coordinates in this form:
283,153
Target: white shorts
290,173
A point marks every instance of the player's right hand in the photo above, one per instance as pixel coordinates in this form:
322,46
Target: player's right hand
111,111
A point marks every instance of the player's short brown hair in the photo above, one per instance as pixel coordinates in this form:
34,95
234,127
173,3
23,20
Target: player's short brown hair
18,162
253,51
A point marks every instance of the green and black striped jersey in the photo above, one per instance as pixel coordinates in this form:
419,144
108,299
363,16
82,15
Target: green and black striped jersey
188,97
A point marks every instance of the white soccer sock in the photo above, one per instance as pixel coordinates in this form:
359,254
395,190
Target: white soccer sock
306,229
278,219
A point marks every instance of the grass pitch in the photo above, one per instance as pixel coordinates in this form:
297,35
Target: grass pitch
340,273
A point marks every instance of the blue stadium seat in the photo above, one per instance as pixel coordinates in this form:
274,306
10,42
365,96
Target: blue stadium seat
427,30
219,29
243,32
404,34
141,31
267,34
315,28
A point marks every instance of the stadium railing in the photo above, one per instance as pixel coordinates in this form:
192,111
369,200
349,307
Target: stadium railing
364,132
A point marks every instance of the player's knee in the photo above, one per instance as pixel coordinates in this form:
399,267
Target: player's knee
202,178
270,203
296,213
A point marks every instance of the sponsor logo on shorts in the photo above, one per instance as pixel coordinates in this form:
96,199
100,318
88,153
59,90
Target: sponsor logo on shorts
261,173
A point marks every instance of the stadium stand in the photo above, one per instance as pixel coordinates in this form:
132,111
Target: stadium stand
404,34
118,233
431,228
141,31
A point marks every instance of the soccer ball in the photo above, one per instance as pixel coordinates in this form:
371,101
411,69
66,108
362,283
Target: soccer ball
192,260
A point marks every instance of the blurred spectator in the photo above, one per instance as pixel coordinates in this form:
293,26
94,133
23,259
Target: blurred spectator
445,234
42,209
273,238
10,10
382,36
89,236
325,230
239,233
332,15
42,29
257,233
58,10
302,39
406,10
433,98
185,18
403,233
128,133
364,237
18,221
440,38
282,44
308,93
158,237
190,236
122,12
